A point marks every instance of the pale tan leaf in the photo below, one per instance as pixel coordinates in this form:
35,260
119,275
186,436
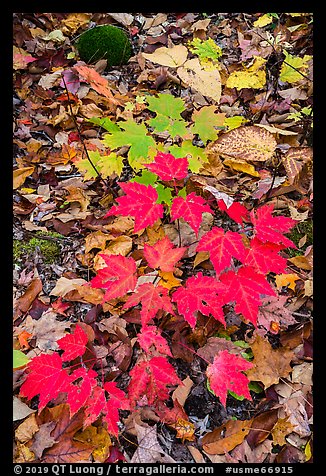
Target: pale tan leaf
208,83
172,57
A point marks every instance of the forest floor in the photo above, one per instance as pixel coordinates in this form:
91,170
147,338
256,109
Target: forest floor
258,75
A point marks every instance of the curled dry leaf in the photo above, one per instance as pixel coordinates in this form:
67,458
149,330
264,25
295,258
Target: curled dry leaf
247,143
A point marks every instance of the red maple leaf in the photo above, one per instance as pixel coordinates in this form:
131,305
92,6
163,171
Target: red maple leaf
245,287
151,379
94,405
45,377
225,373
152,298
139,203
117,400
163,255
236,211
60,307
78,393
270,228
167,167
199,294
190,209
151,336
264,257
117,278
73,344
222,247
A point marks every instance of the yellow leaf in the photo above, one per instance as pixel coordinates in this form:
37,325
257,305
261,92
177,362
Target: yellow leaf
292,67
307,451
286,280
252,77
99,438
168,280
263,20
172,57
208,83
20,175
241,166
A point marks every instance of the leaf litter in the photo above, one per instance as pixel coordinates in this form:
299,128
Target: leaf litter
181,256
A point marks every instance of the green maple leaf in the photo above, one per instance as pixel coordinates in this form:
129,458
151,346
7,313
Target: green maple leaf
168,118
206,122
105,122
136,136
290,75
84,166
167,105
205,50
196,155
148,178
106,165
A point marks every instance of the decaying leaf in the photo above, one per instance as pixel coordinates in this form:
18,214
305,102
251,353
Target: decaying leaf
269,364
246,143
208,83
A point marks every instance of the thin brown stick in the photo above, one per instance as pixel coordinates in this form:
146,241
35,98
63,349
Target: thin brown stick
80,136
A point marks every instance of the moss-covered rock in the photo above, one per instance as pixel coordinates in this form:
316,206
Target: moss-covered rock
104,42
49,249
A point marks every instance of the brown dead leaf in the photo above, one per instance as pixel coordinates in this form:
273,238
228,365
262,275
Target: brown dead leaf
215,345
27,429
281,429
261,427
77,195
75,21
47,330
247,143
20,175
226,437
295,162
65,450
208,83
25,301
182,391
269,364
85,293
301,262
97,239
149,450
42,439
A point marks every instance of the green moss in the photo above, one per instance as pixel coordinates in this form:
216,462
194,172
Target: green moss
49,249
299,231
104,42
